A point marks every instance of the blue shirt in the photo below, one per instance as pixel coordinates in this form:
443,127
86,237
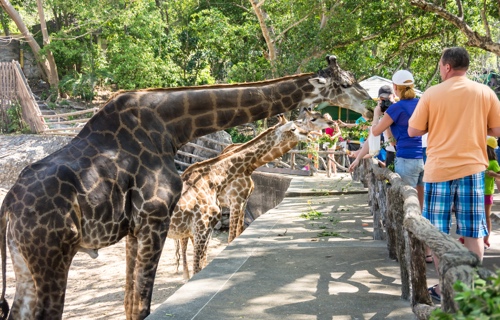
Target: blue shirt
406,146
359,121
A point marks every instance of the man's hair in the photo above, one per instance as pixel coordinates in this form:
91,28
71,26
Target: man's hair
456,57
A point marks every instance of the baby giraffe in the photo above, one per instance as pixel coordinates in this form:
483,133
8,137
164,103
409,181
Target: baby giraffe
235,195
198,211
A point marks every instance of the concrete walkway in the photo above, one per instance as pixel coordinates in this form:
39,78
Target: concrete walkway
311,257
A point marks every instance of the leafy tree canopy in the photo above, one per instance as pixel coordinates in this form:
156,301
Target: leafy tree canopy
145,43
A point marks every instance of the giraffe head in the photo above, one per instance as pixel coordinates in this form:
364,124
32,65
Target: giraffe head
290,130
314,120
338,87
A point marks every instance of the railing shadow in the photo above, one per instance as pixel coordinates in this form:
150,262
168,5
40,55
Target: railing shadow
397,219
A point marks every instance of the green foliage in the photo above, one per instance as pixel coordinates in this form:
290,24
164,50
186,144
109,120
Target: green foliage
12,121
355,133
489,78
392,167
80,85
146,43
311,214
238,137
329,234
481,301
328,140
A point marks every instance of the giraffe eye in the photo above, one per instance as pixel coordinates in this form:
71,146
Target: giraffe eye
314,119
344,85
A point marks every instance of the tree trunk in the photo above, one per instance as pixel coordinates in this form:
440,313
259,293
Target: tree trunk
271,56
47,65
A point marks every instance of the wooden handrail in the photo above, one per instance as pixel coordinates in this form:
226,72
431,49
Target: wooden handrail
397,217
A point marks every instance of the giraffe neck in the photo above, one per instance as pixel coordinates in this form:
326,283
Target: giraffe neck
224,168
276,152
186,113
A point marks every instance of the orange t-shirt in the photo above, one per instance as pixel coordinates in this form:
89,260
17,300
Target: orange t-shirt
457,114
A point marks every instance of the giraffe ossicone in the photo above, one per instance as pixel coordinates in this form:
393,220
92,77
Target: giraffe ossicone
117,178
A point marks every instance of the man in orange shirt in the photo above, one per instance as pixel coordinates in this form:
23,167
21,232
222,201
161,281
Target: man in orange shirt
458,114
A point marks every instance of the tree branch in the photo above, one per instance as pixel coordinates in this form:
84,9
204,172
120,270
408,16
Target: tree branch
265,33
291,26
436,70
460,9
485,20
406,45
474,39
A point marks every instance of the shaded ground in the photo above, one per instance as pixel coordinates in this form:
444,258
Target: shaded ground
96,286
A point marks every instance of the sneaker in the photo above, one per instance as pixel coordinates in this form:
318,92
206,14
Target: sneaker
486,245
432,292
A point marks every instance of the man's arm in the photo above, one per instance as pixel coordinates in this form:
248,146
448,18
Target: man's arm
494,132
412,132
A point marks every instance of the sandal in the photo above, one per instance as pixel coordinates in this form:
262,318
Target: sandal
432,292
429,259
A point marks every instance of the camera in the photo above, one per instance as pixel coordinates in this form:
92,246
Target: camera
384,104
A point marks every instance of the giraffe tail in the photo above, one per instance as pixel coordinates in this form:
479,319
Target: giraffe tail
4,306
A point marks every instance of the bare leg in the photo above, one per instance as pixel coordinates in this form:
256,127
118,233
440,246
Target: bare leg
475,245
487,209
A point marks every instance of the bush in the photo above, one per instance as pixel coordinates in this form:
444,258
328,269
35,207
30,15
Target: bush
12,121
238,137
482,301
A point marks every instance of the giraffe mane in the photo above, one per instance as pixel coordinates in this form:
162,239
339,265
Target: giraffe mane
214,86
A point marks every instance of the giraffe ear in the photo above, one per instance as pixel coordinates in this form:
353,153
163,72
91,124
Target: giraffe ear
318,82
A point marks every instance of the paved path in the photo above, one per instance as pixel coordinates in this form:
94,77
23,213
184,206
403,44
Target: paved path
285,266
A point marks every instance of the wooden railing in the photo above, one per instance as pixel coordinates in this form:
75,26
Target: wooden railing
57,123
15,88
397,218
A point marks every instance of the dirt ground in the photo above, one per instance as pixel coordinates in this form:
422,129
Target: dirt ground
96,286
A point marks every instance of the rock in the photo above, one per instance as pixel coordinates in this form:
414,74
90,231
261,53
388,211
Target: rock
18,151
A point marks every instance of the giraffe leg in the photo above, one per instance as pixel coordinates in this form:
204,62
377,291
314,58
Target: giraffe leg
185,268
200,250
24,302
50,305
42,275
131,256
241,220
233,221
202,237
141,271
237,215
241,217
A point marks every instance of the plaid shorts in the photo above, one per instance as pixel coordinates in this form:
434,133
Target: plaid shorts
466,195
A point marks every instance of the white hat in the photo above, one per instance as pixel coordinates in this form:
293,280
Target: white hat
403,77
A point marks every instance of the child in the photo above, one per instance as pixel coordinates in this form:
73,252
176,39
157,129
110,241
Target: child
334,134
492,172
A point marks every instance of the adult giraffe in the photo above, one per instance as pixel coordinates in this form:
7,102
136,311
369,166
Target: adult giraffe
117,178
